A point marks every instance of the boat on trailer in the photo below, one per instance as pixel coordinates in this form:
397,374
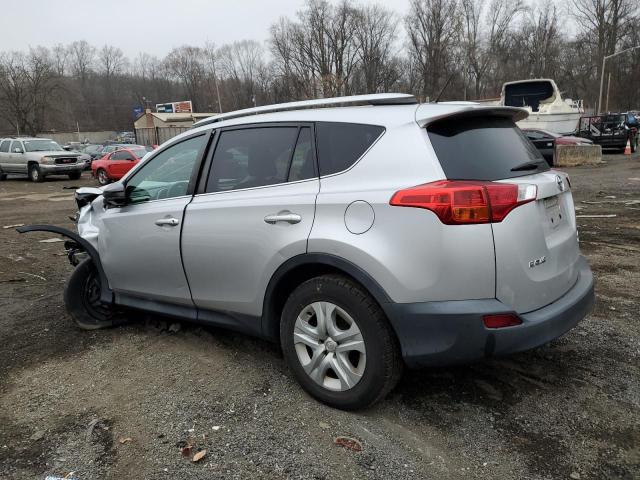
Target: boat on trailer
547,109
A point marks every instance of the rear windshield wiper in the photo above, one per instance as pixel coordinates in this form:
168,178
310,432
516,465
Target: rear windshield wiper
528,166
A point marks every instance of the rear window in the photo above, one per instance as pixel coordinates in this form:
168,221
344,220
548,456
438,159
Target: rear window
4,146
340,145
484,148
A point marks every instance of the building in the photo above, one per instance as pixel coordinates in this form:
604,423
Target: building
154,128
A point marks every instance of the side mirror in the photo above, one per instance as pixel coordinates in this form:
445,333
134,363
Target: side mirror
86,195
114,195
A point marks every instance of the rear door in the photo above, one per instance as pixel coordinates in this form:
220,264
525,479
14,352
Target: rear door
254,212
536,245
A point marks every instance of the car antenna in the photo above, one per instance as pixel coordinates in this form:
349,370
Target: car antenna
446,84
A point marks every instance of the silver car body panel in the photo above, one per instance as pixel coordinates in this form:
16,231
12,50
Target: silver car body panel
229,252
139,257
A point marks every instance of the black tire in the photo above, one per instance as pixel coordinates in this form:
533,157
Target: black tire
35,174
103,177
75,175
384,364
81,297
3,176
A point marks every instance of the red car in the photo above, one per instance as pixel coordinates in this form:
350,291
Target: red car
114,165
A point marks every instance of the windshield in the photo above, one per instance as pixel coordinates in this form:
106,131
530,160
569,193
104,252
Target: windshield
138,152
42,146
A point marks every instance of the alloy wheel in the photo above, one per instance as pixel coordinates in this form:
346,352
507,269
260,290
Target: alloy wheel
329,346
103,179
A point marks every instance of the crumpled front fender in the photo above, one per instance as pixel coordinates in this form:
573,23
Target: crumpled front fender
106,294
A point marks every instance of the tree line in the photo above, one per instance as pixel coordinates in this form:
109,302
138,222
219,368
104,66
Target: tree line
458,49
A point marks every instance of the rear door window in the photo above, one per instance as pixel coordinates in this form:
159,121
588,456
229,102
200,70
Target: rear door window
340,145
4,146
484,148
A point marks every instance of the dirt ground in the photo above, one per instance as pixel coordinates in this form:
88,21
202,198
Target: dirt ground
119,404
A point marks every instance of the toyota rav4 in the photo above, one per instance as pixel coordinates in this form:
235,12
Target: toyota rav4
363,236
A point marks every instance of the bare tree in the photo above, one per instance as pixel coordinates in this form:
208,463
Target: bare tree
433,27
375,36
28,83
60,56
81,58
111,61
186,65
486,32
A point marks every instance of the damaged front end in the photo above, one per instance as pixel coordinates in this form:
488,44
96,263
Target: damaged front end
82,244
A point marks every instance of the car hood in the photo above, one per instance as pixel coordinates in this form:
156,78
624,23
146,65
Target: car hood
54,154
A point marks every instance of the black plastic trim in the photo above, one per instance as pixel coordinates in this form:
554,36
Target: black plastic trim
106,294
270,325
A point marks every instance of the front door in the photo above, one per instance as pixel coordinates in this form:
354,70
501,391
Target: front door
139,244
119,163
256,212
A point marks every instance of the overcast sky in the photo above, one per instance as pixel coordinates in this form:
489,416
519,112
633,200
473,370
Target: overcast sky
153,26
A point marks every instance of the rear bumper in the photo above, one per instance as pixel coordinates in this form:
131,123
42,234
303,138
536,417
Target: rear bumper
452,332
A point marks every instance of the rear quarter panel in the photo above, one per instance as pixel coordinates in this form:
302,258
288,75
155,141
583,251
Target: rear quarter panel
408,251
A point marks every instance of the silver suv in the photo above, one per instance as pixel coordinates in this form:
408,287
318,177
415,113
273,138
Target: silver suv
37,158
362,238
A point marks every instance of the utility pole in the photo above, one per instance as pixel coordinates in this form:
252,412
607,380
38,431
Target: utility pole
604,60
606,105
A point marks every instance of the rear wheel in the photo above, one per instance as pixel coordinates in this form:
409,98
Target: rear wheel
103,177
35,174
82,299
3,176
75,175
339,344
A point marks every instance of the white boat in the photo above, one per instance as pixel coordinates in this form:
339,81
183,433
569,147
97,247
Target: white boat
547,109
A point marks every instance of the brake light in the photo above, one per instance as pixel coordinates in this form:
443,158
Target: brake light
457,202
501,320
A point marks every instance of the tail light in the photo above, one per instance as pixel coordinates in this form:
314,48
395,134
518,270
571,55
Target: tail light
501,320
458,202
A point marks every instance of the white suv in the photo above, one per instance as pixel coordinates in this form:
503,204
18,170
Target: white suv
364,237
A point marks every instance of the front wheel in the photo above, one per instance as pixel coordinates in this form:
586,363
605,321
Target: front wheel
35,174
82,299
338,343
103,177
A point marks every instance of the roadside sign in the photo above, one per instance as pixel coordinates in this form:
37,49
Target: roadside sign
175,107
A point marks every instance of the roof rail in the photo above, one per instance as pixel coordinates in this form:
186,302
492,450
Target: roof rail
374,99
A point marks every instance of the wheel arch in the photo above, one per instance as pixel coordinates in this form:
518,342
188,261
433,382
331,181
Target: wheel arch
304,267
106,293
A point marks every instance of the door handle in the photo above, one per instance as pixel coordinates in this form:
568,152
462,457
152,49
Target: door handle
285,216
169,222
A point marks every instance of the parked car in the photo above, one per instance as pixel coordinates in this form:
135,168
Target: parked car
93,150
109,147
546,142
78,148
361,238
115,165
37,158
612,130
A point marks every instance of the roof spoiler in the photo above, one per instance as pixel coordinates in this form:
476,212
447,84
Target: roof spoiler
468,111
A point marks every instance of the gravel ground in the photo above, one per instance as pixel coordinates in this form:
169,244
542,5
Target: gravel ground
121,403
